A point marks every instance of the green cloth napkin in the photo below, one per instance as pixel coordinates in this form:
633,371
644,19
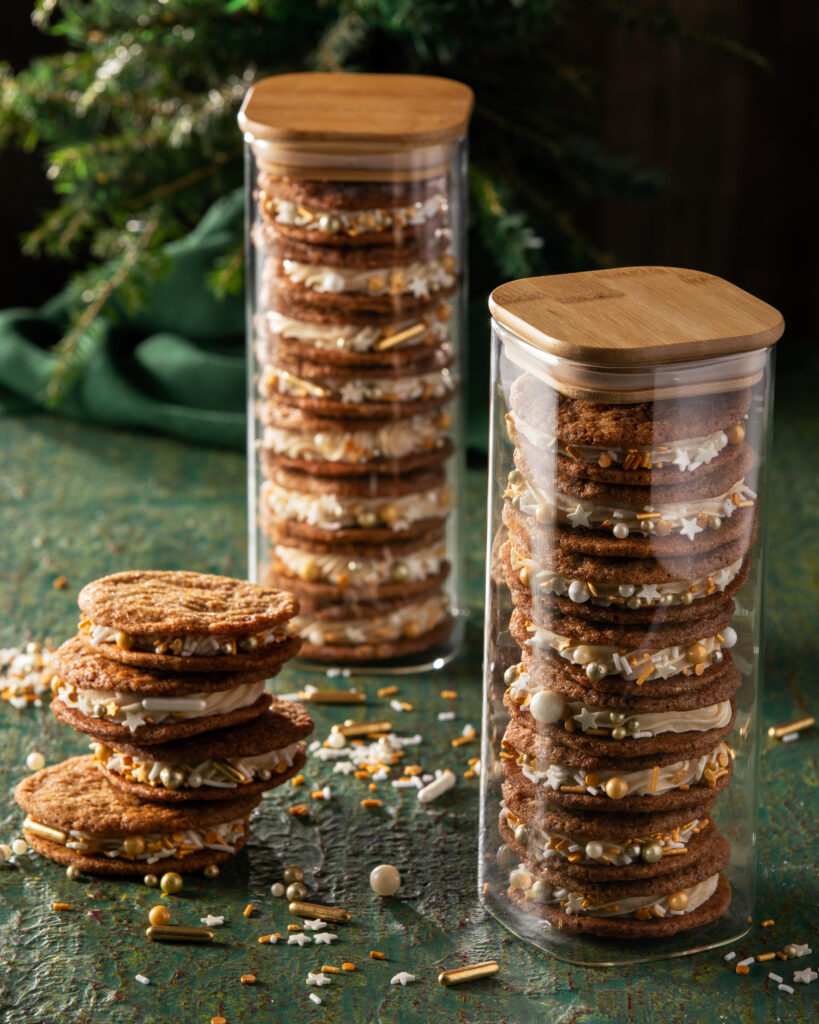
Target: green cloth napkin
177,366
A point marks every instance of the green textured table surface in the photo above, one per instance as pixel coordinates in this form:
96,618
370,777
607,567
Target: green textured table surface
80,502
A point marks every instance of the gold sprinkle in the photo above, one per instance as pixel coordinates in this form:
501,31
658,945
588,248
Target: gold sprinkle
655,775
449,694
298,810
329,969
391,340
768,924
797,725
765,957
469,972
742,969
376,954
644,675
333,697
248,910
297,780
248,979
347,966
371,803
387,691
317,910
60,906
350,728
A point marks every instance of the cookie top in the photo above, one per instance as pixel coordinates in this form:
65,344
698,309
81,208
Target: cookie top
75,795
155,601
601,424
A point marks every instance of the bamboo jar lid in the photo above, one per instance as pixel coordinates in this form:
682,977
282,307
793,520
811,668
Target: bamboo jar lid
626,334
349,126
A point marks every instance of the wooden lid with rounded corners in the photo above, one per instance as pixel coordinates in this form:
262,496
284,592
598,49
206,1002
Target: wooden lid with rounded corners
356,111
635,316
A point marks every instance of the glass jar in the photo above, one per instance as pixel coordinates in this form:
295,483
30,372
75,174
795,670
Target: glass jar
356,312
630,418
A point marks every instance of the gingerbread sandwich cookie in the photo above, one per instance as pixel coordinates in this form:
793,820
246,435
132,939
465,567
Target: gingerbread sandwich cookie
187,622
111,701
75,816
241,760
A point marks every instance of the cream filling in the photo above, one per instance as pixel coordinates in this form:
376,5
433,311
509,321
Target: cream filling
685,518
422,387
355,222
205,773
577,903
639,664
354,338
639,595
392,441
420,279
223,838
577,850
133,711
637,726
408,622
343,571
688,454
643,782
339,511
184,645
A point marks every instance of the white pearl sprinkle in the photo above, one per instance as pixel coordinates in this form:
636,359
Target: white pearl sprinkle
19,846
35,761
385,880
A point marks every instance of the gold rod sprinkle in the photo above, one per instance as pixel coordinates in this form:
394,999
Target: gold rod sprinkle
797,725
395,339
316,910
333,696
471,972
362,728
54,835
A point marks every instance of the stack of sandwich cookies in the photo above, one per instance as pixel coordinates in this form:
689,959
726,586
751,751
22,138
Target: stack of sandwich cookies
167,679
355,376
627,529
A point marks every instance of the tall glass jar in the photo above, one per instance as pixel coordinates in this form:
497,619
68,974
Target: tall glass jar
630,419
356,292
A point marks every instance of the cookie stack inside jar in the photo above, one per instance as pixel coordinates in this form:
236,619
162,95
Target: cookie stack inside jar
626,500
356,242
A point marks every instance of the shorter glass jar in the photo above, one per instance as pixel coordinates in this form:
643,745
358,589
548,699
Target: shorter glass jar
630,417
356,271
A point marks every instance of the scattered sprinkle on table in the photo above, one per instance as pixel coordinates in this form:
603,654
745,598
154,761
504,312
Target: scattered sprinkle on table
330,969
446,716
248,979
769,923
299,939
142,979
746,962
795,950
347,966
218,1020
248,910
325,937
742,969
60,906
806,976
402,978
775,977
35,761
277,889
317,978
730,956
440,785
316,925
786,988
213,920
316,999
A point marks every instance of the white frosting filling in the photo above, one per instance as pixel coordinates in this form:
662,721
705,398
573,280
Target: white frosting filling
632,665
342,571
408,622
420,279
688,454
685,518
204,773
605,594
577,903
355,222
352,337
190,645
574,848
340,511
224,838
422,387
132,711
638,725
643,782
414,435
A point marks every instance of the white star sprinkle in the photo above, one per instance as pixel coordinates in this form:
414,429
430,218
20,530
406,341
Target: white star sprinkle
682,460
418,287
806,976
649,592
325,937
689,528
344,767
314,926
580,516
317,979
402,978
133,720
586,719
574,903
213,920
299,939
722,578
799,950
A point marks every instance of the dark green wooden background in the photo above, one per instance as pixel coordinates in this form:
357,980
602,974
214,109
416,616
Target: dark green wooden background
80,502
